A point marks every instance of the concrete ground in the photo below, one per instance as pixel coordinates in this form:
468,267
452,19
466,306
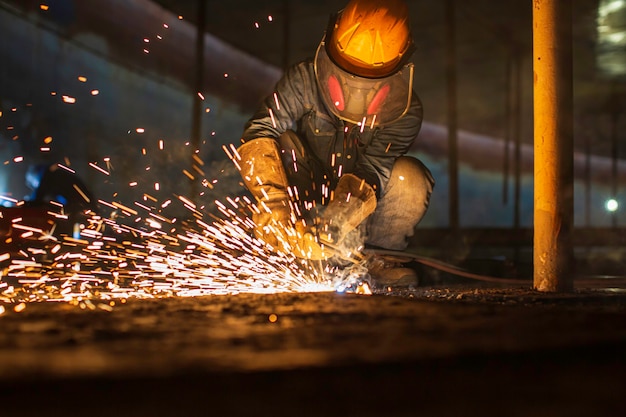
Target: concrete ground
434,351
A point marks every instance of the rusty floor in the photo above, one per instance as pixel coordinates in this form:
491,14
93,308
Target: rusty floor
435,351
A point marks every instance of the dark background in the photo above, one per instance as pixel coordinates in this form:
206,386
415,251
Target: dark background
152,86
491,36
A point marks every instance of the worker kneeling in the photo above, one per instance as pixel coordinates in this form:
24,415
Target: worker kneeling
325,154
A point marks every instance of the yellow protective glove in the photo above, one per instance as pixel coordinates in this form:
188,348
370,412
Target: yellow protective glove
306,245
276,224
277,230
353,202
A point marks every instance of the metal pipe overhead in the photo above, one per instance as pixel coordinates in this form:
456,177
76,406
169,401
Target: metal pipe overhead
233,76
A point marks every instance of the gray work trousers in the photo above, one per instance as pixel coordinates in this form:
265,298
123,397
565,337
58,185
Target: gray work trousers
400,208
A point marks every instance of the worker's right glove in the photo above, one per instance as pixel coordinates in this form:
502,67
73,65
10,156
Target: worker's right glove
353,202
276,223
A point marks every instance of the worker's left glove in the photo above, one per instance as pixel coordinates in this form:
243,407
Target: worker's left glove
353,202
305,245
275,221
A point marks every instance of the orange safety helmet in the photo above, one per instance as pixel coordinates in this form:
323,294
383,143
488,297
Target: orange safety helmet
361,65
370,38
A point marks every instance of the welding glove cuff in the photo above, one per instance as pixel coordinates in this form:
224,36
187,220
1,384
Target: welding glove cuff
275,220
353,201
264,176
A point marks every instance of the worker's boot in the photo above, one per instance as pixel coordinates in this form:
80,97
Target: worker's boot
390,271
276,223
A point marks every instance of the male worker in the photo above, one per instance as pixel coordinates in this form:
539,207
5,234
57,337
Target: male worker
324,155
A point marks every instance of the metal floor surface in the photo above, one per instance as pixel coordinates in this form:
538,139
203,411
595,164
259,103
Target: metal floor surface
431,351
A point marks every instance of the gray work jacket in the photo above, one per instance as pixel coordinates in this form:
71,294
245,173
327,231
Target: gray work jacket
367,153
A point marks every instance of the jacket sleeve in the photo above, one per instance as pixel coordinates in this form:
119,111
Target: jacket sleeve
389,143
283,108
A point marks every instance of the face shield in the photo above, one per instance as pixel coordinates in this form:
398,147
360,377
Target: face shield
363,101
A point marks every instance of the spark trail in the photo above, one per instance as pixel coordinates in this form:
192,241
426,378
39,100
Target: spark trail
208,255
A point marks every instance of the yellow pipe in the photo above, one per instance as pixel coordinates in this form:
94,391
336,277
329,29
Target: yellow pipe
553,145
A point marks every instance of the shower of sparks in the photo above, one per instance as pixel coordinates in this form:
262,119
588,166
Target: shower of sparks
156,256
139,252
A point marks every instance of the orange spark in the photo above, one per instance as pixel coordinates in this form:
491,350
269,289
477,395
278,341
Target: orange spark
91,164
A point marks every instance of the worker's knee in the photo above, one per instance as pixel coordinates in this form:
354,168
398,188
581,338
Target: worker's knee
410,177
402,205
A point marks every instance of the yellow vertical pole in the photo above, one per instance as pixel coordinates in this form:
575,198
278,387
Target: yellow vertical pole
553,144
